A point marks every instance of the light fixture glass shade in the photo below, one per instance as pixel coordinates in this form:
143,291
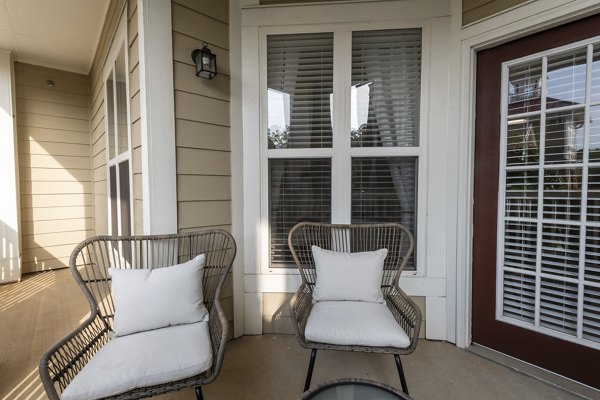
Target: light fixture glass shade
206,62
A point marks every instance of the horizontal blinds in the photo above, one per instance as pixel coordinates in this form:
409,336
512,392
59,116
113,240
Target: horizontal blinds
524,87
386,87
550,242
300,83
299,191
384,189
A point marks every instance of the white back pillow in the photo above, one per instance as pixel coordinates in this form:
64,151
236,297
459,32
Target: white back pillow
148,299
348,276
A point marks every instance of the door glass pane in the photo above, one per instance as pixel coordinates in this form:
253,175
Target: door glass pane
523,141
384,189
386,88
596,75
299,191
121,93
110,114
594,121
114,215
564,137
542,250
524,87
566,79
300,87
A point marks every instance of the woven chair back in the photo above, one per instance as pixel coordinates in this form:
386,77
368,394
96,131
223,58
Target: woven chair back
91,259
351,239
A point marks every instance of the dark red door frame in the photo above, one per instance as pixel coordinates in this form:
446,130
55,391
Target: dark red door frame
565,358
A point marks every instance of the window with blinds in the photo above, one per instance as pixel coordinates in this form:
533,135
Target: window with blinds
549,242
308,155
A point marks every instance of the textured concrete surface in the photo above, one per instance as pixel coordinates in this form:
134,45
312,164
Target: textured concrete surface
37,312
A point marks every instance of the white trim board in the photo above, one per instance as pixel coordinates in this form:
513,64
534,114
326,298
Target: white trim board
10,243
157,111
517,22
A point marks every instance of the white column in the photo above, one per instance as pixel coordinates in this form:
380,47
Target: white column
10,253
157,117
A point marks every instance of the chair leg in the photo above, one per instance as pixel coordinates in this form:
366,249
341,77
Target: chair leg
401,373
199,395
311,365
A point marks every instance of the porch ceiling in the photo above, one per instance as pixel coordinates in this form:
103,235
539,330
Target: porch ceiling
61,34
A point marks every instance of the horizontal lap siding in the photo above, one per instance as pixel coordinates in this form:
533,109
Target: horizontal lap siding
202,122
476,10
136,133
53,128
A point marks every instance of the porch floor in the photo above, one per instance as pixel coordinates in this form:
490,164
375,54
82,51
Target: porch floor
41,309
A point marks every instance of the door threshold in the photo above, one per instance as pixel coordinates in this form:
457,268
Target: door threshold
550,378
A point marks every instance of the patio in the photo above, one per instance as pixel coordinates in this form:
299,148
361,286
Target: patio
42,308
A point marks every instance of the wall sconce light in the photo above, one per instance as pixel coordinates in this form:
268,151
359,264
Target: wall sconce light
206,62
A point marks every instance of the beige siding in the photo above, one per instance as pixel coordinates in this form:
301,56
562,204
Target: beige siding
202,122
294,1
277,319
475,10
97,124
54,164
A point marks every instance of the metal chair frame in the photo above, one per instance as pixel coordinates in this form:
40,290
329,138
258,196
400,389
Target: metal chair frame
354,238
89,263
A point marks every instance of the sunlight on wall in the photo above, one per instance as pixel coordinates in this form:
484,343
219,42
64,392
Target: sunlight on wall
15,293
29,388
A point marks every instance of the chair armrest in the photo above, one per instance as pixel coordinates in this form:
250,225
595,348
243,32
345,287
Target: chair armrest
406,313
64,360
300,306
218,326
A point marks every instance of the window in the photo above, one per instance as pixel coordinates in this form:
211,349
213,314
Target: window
549,227
117,144
341,144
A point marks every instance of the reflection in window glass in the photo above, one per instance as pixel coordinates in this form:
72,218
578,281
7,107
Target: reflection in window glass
300,82
566,79
524,87
386,88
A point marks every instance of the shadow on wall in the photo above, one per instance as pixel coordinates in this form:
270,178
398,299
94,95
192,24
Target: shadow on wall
53,130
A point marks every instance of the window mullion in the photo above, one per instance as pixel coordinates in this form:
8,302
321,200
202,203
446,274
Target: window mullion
584,189
341,190
540,208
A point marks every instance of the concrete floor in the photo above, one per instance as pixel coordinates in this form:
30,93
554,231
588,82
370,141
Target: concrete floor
41,309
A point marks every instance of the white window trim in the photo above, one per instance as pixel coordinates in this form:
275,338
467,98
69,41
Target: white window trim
119,41
341,189
509,25
541,167
442,202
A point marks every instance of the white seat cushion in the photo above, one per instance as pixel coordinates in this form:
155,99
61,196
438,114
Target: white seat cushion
143,359
356,323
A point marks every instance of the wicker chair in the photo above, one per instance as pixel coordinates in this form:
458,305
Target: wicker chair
355,238
89,263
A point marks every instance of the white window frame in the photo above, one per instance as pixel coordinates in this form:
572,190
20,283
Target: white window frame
341,188
501,218
119,41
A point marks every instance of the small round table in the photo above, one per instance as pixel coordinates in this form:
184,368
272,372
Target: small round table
353,389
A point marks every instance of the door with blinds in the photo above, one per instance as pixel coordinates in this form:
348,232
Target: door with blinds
536,245
340,141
